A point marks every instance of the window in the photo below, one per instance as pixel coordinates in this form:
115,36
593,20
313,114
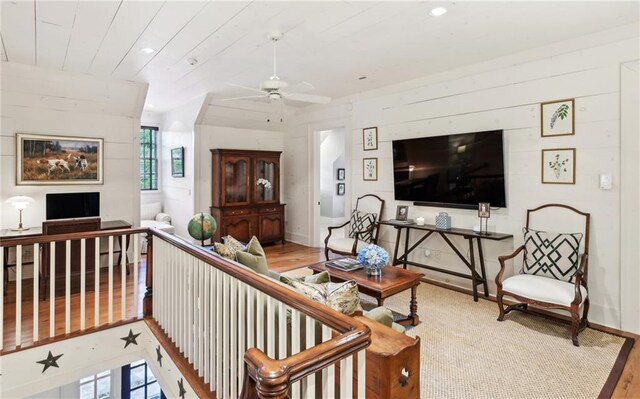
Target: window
148,158
138,382
97,386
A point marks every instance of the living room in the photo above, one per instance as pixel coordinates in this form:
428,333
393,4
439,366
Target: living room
389,66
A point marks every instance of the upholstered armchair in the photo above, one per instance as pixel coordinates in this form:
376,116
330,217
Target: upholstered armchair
554,268
361,228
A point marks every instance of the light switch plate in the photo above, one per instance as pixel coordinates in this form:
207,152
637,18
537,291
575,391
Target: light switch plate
606,182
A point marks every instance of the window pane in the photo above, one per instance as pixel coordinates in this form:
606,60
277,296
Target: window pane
138,394
137,377
86,390
153,391
108,372
89,378
150,376
104,387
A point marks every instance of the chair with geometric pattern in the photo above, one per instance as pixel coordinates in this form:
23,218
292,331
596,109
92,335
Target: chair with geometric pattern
362,228
554,267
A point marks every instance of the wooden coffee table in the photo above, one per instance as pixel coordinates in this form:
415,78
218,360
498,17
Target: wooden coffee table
393,280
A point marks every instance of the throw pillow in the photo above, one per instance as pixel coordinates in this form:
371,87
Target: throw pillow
224,251
342,297
360,223
254,258
230,247
319,278
553,255
234,244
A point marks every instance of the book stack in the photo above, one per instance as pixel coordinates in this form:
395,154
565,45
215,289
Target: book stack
344,264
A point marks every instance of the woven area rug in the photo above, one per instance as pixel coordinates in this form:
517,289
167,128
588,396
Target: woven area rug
466,353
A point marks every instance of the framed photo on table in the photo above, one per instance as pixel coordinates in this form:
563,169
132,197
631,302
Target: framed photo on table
402,211
557,118
370,138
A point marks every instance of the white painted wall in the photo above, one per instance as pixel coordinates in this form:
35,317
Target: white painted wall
332,157
630,196
500,94
178,192
36,100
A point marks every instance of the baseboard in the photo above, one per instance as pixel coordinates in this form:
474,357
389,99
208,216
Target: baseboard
539,312
296,238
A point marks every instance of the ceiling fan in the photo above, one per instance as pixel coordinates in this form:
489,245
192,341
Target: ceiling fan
273,88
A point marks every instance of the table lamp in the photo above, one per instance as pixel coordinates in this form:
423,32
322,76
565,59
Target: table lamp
20,202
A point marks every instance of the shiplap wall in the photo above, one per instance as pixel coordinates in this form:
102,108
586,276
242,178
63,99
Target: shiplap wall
504,97
40,101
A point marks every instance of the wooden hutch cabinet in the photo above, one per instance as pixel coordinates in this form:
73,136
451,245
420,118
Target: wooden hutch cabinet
246,195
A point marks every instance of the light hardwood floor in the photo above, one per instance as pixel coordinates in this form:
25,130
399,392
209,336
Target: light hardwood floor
280,257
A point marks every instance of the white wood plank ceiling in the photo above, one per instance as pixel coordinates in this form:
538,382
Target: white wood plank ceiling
329,44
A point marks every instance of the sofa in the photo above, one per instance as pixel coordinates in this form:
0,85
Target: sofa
151,215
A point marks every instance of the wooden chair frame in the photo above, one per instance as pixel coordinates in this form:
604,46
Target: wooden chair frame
355,242
577,324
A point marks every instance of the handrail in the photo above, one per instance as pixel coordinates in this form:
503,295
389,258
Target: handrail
45,238
271,377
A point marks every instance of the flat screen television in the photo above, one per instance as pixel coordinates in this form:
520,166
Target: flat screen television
455,171
72,205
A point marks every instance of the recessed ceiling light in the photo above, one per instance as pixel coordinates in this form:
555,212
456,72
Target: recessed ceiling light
438,11
147,50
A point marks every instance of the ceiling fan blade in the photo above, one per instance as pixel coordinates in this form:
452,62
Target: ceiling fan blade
302,87
245,87
242,98
308,98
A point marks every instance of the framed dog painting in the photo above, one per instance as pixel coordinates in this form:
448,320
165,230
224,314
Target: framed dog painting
55,160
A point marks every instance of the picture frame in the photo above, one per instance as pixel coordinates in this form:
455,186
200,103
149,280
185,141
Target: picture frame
558,166
402,212
58,160
370,169
370,138
557,118
484,210
177,162
340,175
340,189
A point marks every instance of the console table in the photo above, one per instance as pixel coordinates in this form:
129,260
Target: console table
429,230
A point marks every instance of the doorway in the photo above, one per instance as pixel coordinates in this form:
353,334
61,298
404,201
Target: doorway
331,185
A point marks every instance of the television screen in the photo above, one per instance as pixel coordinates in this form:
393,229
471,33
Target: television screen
72,205
456,171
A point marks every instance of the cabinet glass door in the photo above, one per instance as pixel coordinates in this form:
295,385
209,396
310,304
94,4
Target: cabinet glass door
236,187
266,180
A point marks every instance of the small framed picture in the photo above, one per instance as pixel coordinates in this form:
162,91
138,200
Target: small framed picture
559,166
402,211
340,174
557,118
484,210
370,169
177,162
340,190
370,138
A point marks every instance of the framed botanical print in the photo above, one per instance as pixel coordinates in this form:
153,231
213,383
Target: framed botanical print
559,166
340,189
340,174
370,169
58,160
177,162
557,118
370,138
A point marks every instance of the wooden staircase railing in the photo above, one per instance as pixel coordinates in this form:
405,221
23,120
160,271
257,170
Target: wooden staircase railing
243,334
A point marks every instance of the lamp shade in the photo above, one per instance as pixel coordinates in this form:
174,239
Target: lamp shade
20,202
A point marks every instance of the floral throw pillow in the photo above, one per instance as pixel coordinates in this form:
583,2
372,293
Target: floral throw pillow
342,297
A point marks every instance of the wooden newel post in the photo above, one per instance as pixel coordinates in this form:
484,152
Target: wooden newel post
147,302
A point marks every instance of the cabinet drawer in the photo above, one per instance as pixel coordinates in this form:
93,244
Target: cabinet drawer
236,212
270,209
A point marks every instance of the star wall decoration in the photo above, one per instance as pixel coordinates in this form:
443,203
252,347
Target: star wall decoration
50,361
181,388
159,355
131,338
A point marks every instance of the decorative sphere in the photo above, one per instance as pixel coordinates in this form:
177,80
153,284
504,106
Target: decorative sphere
202,226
